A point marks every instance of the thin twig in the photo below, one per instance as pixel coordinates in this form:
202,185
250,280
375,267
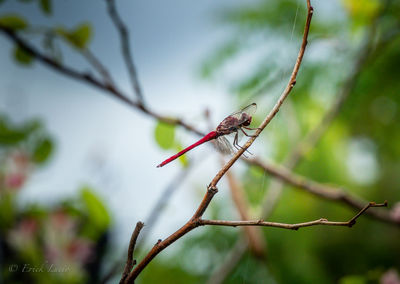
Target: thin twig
253,234
163,200
96,63
87,78
321,190
234,255
126,50
321,221
130,262
275,109
212,189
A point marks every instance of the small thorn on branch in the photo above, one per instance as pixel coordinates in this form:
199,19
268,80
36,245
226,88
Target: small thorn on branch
212,189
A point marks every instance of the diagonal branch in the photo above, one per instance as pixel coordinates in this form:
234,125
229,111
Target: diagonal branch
87,78
212,189
321,221
275,109
126,50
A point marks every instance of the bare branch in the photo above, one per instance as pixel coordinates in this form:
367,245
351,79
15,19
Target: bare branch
275,109
321,221
163,199
321,190
87,78
130,262
212,189
126,50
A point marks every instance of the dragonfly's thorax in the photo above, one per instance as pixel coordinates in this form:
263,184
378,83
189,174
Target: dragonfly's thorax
232,124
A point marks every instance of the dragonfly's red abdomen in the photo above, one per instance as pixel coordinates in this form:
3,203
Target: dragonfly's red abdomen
210,136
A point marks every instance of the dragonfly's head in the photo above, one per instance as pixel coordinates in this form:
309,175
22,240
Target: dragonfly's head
246,119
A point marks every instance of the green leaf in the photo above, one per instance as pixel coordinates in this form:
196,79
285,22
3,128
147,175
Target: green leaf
97,212
42,151
13,21
45,5
165,135
79,37
182,159
10,135
22,56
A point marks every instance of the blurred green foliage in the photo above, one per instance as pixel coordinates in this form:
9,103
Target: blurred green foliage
78,37
64,243
13,21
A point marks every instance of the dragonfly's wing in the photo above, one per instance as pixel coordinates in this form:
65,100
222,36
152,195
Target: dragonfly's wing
223,145
237,118
250,110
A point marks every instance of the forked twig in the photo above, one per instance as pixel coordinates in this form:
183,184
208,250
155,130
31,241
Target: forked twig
126,50
321,190
321,221
130,262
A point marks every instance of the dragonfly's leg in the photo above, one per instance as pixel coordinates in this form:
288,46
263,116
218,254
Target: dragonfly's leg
235,141
237,146
250,128
247,134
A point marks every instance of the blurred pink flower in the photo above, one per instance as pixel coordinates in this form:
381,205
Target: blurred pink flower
24,233
28,227
60,220
395,212
14,180
80,250
390,277
63,242
16,170
21,159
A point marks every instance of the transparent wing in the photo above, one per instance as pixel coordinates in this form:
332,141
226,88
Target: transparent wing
250,110
223,145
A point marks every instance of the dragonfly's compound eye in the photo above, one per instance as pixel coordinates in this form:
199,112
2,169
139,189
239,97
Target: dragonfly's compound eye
247,121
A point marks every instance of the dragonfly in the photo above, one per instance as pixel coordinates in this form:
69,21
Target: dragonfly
237,121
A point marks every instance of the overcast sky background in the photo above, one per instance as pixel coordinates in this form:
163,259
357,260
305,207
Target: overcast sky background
100,141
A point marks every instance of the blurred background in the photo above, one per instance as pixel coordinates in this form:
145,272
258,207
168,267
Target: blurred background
78,167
